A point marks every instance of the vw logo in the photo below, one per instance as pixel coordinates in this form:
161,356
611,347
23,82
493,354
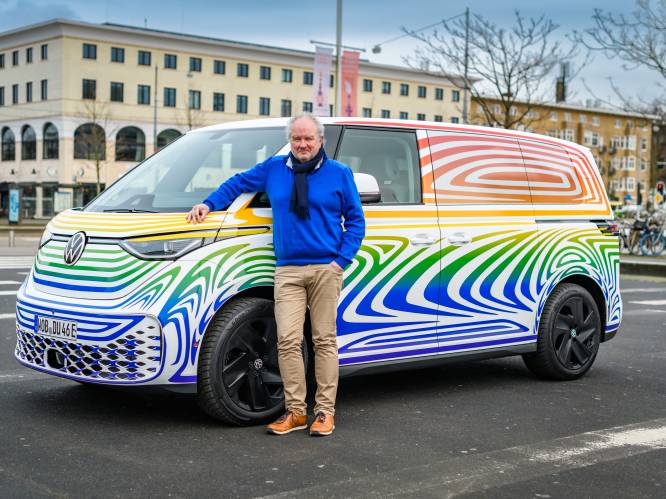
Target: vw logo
258,364
75,247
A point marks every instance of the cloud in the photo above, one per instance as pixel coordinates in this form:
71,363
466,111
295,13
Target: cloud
24,12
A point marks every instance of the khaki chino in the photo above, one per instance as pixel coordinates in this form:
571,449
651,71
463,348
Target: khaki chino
318,287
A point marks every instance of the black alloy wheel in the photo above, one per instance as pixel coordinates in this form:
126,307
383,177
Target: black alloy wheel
238,379
569,334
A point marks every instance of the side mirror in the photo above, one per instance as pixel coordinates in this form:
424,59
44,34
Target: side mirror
368,188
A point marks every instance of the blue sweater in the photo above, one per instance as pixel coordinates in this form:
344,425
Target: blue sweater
332,196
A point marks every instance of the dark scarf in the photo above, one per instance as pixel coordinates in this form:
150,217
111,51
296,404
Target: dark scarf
299,192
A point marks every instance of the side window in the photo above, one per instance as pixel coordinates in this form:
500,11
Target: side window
391,156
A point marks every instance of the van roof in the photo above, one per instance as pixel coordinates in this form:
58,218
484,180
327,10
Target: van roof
397,123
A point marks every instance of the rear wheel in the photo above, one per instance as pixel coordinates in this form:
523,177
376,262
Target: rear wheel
569,335
238,380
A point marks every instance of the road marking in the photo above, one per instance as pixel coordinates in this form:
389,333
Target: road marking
9,282
649,302
22,375
16,262
8,292
643,290
626,313
7,316
489,470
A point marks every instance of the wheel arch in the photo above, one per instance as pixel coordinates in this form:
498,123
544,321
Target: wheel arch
592,287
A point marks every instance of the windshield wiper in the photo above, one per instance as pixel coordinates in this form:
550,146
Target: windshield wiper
128,210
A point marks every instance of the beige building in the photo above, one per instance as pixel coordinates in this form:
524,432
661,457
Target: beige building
77,97
620,142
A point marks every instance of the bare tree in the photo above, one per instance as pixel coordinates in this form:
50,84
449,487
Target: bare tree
92,140
513,63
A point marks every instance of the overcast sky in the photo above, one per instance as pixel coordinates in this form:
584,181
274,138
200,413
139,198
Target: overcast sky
293,24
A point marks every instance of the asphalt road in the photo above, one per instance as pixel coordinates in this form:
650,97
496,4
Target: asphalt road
478,429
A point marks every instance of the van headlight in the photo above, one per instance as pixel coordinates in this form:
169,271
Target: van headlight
46,237
163,249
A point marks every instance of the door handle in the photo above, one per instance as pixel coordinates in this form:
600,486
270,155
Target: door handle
422,240
459,238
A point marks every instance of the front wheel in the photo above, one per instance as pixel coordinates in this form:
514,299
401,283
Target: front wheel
569,335
238,379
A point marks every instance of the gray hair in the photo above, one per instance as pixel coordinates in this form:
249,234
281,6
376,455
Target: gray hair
311,117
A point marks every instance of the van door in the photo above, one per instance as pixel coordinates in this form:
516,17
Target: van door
388,305
486,298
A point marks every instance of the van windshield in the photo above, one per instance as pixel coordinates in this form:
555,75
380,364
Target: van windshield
184,173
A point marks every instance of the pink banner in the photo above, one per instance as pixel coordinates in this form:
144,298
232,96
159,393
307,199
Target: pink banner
322,76
349,83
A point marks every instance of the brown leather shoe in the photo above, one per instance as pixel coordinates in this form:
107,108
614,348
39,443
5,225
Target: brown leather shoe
287,423
323,425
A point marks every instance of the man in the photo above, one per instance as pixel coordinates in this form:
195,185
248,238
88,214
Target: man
311,197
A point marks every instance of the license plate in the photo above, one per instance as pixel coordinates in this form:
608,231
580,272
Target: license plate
56,328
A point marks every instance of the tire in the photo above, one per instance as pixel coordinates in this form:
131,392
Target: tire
238,379
569,335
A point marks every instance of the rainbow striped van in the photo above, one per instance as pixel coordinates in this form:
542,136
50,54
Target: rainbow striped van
480,243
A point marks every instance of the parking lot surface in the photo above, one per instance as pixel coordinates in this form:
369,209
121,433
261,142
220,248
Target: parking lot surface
474,429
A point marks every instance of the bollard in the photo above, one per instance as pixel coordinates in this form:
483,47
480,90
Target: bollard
12,239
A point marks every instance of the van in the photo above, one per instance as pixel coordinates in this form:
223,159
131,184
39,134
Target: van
480,243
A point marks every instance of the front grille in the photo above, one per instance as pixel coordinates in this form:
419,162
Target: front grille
135,356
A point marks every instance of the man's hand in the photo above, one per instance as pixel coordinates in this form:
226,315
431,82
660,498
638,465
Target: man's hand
198,213
337,266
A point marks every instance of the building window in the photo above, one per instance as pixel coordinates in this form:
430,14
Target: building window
28,55
28,143
2,61
287,75
28,91
144,58
218,101
242,70
241,104
50,142
90,142
117,54
596,121
15,94
307,107
618,123
308,77
264,73
420,116
367,85
455,96
386,113
567,117
422,92
404,89
194,101
455,119
330,109
582,118
439,94
553,116
438,118
404,115
170,61
89,51
386,87
2,96
8,145
89,89
331,82
643,164
143,94
644,144
219,67
130,144
367,112
15,57
285,108
44,51
166,137
44,90
117,91
169,97
195,64
264,106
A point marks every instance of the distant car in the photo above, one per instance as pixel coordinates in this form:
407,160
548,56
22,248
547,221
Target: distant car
480,243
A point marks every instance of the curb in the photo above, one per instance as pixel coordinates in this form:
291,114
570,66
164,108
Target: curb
653,269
